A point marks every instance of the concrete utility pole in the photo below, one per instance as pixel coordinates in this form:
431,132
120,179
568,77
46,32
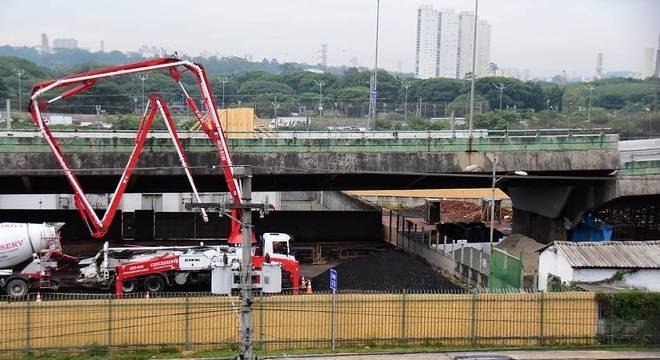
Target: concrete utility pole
406,85
500,87
223,80
474,65
8,114
591,89
373,95
20,73
320,83
244,173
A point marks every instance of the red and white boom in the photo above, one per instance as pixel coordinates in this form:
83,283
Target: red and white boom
209,121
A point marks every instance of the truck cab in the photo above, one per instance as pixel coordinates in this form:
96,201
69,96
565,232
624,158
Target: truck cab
277,246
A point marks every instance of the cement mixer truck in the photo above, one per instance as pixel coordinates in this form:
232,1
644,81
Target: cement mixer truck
29,254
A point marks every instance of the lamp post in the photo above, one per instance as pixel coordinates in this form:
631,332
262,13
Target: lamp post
591,89
142,78
500,87
223,80
20,73
320,83
494,182
474,65
406,86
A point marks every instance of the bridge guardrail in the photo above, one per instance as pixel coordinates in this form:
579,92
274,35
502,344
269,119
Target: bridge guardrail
357,134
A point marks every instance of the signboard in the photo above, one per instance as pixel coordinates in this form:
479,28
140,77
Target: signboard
333,279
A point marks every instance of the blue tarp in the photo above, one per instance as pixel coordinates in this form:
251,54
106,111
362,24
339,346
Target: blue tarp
590,230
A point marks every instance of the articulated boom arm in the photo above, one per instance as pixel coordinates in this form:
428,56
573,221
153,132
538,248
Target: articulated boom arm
209,121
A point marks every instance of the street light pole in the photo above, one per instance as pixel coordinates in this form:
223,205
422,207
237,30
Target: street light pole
501,88
20,73
406,85
591,89
373,92
474,66
143,77
223,80
320,83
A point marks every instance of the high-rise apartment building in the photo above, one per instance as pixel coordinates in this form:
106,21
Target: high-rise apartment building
444,44
656,73
648,62
44,48
447,57
427,42
65,44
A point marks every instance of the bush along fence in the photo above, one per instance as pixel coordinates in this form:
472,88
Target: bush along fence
70,323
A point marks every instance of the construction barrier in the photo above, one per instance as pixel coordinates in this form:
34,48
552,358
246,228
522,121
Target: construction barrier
299,321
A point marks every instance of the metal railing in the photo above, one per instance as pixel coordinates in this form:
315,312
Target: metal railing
321,134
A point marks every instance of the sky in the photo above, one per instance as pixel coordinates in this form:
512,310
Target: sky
544,36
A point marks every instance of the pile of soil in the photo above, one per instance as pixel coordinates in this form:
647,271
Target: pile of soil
460,211
386,270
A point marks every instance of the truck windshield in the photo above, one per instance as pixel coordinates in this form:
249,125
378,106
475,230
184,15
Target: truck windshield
281,247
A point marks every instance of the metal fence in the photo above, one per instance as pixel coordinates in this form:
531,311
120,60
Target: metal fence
506,270
69,322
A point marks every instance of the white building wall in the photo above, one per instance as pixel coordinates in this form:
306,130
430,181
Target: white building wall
550,263
448,44
26,202
427,38
648,279
131,202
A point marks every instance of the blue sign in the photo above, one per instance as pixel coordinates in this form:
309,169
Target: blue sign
333,279
373,92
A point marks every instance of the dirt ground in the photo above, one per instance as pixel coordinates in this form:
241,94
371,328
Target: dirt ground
386,270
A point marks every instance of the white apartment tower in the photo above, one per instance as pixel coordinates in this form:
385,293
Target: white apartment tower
444,44
447,59
427,42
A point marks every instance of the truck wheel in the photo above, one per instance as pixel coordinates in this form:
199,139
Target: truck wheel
17,288
154,283
129,286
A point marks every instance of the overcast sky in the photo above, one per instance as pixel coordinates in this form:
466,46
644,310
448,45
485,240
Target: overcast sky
545,36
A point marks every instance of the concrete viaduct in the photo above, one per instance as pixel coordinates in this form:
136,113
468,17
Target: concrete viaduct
568,174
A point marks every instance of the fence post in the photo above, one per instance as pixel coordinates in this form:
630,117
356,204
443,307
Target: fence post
542,317
110,324
474,317
28,316
403,317
397,229
186,324
334,320
389,238
261,320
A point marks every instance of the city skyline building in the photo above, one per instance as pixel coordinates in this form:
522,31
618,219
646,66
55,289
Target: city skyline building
599,66
44,48
66,43
656,73
648,62
444,44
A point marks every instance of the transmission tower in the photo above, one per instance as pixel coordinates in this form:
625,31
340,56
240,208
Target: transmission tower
324,57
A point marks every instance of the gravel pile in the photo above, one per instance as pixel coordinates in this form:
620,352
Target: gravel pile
386,270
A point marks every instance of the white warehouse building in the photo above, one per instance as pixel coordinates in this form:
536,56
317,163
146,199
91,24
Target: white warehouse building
617,264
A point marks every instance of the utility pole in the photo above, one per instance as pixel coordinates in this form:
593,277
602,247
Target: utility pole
20,73
500,87
320,83
474,65
373,95
591,89
276,105
143,77
244,173
406,86
223,80
9,114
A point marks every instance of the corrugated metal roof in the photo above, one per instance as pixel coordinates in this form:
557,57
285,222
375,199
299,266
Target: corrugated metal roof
611,254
